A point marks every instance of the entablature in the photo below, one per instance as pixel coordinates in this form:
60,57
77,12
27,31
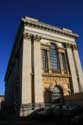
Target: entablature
31,22
50,36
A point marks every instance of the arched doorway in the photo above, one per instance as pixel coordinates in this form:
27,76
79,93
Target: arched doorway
53,95
57,95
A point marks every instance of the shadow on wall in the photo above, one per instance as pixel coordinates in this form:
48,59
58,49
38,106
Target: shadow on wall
47,96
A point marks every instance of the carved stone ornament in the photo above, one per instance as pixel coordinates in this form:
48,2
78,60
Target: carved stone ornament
27,36
74,47
31,36
68,45
37,38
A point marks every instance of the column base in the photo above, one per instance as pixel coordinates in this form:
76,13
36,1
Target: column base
27,109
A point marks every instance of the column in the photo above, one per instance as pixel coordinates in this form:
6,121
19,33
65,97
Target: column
60,52
26,74
78,68
62,68
48,57
38,72
72,69
60,61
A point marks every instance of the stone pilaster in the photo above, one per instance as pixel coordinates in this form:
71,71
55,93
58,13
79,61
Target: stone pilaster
26,73
48,57
78,68
38,71
72,69
63,70
60,60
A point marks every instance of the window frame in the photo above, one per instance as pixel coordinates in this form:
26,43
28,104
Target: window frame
57,69
45,60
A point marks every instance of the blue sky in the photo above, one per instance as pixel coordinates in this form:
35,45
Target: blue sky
62,13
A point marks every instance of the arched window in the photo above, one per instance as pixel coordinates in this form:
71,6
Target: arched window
54,63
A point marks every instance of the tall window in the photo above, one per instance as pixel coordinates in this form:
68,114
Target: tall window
45,60
54,58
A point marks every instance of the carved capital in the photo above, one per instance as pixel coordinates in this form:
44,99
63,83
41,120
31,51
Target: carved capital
68,45
26,35
37,38
74,47
31,36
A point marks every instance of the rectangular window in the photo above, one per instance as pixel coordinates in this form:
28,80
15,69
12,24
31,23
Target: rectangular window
45,60
54,62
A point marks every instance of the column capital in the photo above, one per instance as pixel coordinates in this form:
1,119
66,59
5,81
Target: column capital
68,45
74,47
31,36
26,35
36,37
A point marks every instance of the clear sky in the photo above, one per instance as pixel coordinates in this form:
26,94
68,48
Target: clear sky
62,13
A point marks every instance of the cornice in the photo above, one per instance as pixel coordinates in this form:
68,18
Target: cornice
46,27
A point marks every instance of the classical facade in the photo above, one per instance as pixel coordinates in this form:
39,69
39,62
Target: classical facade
42,56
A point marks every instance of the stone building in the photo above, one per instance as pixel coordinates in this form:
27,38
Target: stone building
42,56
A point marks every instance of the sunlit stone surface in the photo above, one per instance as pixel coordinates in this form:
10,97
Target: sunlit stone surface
42,56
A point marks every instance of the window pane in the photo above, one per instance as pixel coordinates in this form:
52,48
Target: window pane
53,57
45,60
